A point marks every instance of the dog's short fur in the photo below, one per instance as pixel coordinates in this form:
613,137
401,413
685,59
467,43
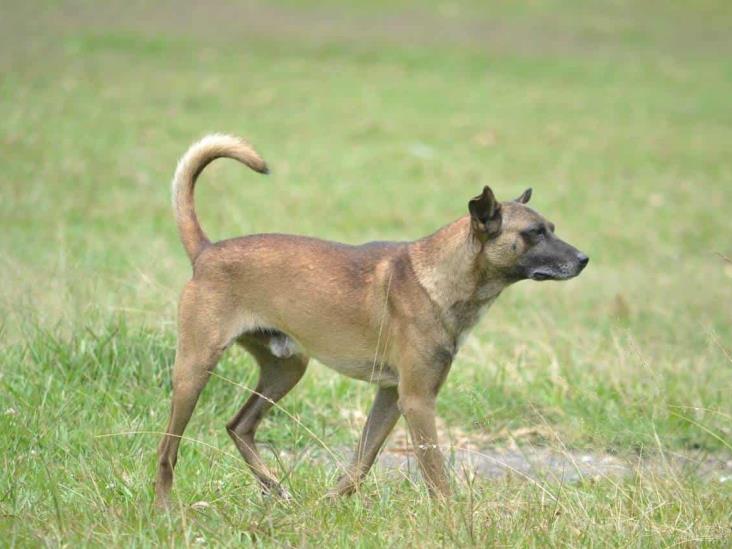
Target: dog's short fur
390,313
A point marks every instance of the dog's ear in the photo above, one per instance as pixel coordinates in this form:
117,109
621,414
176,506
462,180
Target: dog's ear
525,196
485,213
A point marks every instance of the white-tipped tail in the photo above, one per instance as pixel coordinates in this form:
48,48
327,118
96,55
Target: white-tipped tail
190,166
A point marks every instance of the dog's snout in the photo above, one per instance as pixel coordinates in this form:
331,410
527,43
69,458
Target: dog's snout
583,260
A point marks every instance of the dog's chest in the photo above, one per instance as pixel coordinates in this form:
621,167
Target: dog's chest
465,315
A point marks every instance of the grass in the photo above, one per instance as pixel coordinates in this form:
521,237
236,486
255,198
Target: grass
380,121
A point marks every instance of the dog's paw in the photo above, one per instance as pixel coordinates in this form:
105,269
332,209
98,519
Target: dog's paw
278,492
162,504
341,490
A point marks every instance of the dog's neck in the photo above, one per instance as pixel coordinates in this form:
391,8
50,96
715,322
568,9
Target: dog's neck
446,267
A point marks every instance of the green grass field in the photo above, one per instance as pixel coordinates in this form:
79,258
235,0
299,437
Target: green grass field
379,120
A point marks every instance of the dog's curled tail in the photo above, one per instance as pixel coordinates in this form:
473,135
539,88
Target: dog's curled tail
196,158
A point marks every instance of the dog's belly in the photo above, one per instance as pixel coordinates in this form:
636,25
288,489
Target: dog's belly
283,346
364,370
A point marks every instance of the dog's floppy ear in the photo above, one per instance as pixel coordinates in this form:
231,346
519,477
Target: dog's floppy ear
485,213
525,196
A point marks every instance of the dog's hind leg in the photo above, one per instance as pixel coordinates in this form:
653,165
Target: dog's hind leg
190,376
200,345
382,418
278,375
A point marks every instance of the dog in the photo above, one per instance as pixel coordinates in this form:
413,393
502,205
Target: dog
390,313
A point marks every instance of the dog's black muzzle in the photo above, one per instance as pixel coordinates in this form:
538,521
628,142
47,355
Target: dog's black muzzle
552,259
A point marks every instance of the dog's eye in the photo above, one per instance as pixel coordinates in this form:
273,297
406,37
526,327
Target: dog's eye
535,232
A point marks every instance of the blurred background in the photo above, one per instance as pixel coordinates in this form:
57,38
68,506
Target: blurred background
379,120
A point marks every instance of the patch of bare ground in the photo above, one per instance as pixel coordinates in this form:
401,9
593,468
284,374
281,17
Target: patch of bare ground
532,462
516,453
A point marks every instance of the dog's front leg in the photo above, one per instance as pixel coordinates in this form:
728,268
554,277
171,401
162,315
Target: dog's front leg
382,418
418,387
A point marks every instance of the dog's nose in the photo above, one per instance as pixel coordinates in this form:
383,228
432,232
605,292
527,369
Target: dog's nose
583,260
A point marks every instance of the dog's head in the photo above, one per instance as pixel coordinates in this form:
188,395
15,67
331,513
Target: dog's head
518,243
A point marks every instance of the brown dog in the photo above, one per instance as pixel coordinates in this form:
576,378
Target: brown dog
390,313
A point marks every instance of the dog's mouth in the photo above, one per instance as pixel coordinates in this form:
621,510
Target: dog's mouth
555,274
542,275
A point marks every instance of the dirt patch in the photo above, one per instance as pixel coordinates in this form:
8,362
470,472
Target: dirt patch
560,465
534,453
